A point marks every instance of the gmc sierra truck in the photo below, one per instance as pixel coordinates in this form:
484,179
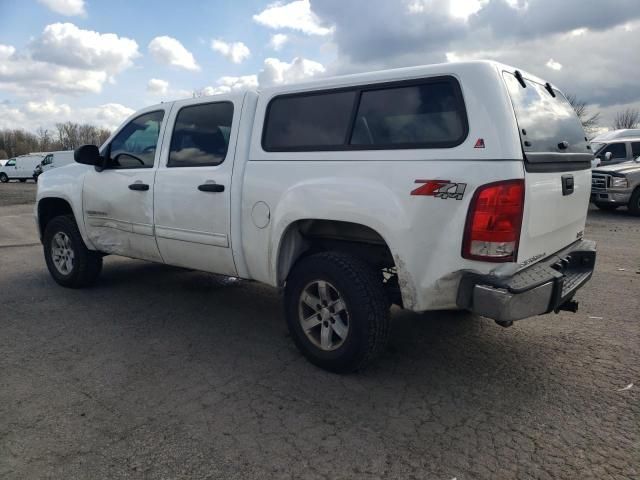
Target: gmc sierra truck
454,186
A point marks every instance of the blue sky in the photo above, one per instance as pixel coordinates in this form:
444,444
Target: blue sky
195,24
97,61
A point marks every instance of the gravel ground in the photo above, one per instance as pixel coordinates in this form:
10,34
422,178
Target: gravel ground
17,193
165,373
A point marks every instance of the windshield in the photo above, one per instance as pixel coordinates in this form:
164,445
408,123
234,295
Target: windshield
549,126
596,146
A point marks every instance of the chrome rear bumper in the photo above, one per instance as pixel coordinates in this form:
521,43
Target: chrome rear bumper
545,287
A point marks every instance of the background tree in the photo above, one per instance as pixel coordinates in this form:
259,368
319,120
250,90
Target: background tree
629,118
67,136
589,121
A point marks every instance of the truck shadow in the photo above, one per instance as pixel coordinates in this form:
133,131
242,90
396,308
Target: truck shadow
245,323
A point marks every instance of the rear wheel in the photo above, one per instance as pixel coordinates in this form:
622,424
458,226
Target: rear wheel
337,311
4,178
69,261
606,206
634,203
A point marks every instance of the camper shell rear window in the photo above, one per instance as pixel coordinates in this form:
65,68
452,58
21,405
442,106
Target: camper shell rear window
549,128
416,114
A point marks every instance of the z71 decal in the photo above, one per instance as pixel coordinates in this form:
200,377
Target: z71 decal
443,189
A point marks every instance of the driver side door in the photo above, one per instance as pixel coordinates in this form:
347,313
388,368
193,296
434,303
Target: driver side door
118,201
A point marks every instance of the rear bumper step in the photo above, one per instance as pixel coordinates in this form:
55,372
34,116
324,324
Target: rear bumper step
547,286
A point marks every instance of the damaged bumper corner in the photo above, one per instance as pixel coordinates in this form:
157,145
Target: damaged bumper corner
547,286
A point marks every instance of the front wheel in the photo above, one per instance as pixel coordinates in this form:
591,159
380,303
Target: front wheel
4,178
337,311
70,262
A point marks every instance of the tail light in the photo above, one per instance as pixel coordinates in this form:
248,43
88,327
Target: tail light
494,221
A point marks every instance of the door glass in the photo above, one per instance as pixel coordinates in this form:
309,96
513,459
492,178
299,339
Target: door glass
617,150
201,135
135,145
11,163
635,147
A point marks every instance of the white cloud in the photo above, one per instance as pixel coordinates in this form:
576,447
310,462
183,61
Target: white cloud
32,115
24,76
278,40
67,45
296,15
277,72
237,52
155,86
232,84
274,72
553,65
169,51
65,59
6,51
67,8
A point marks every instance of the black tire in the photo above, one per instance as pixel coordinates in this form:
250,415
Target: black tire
22,180
607,207
4,178
634,203
365,303
87,264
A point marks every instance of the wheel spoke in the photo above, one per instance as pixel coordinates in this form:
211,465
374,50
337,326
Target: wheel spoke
311,301
325,337
311,322
339,327
338,306
323,291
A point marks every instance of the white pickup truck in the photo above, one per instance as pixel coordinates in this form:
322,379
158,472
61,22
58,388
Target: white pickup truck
455,186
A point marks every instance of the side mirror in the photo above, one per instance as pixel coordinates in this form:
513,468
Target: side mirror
87,155
608,156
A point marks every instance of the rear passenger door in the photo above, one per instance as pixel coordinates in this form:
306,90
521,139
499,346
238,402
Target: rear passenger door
193,184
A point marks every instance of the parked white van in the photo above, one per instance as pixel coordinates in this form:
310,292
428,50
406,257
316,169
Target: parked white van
20,168
53,160
454,186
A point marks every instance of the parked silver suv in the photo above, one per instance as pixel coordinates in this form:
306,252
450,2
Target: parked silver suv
613,186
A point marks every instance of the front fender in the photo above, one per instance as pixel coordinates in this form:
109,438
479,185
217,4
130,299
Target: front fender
66,184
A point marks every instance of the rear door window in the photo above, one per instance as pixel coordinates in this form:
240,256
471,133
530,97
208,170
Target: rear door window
635,148
549,127
201,135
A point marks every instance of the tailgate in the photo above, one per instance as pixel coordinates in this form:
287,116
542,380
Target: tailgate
557,161
552,219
